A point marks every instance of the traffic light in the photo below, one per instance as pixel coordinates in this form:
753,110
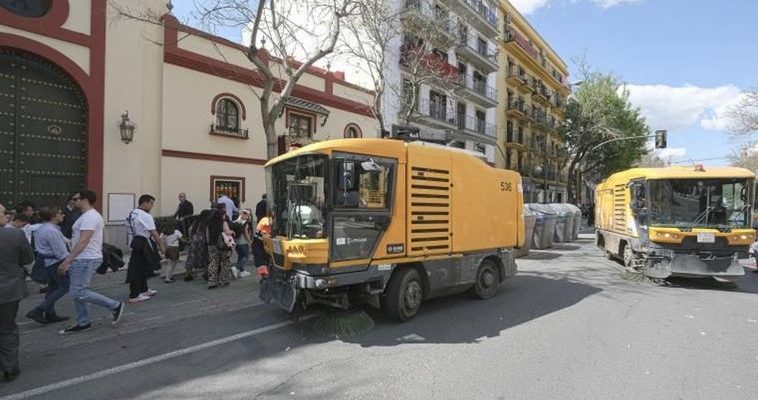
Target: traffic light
660,139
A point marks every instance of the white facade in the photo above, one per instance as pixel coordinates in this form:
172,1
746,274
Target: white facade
171,79
467,118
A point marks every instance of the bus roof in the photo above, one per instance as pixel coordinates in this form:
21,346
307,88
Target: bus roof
682,173
375,146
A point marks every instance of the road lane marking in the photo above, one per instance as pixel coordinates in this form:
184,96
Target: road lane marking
148,361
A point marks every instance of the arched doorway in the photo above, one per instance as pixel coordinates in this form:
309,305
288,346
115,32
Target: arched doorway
43,131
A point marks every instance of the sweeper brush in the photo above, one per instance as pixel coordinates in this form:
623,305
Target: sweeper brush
343,323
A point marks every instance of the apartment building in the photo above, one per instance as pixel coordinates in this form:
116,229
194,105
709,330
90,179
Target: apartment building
533,86
445,68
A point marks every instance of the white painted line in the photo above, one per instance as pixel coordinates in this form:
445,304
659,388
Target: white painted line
147,361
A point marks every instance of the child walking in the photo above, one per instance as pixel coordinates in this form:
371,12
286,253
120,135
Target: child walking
170,236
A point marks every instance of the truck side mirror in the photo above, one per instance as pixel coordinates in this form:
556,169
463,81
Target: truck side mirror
345,175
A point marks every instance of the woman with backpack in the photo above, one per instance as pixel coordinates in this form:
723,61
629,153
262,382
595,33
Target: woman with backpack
220,246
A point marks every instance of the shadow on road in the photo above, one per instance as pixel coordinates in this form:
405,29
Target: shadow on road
541,255
462,319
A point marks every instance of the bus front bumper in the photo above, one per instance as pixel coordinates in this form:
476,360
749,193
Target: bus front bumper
694,265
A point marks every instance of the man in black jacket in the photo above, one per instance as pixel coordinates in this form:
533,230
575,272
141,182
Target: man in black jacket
261,209
15,251
183,211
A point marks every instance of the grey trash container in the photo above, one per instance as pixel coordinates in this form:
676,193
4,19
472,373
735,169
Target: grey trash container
577,220
564,225
544,225
529,219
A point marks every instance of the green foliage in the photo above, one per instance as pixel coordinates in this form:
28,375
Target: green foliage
600,111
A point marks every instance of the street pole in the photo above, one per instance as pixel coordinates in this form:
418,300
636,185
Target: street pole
546,166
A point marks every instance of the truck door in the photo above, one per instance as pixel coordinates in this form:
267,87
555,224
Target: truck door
361,205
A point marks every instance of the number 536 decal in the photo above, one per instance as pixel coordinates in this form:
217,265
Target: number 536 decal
506,187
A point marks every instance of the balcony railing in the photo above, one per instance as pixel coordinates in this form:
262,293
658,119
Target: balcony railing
518,105
472,42
485,9
432,15
413,56
478,86
511,35
238,133
471,123
434,110
513,136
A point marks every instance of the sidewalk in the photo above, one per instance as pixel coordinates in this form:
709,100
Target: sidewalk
176,301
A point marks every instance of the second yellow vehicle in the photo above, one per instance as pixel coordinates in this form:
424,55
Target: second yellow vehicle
662,222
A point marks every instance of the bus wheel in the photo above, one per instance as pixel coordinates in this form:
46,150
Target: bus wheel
487,279
404,295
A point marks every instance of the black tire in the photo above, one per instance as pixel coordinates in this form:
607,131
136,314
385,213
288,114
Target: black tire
404,295
487,280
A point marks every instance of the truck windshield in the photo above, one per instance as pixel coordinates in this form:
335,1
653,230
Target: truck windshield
296,191
709,203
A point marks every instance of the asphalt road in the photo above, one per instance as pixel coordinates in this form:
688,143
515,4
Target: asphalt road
568,326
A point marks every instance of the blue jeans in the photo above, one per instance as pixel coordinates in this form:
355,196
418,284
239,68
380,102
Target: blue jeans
58,286
243,254
80,274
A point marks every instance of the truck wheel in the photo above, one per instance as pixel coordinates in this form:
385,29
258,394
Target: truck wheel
487,279
404,295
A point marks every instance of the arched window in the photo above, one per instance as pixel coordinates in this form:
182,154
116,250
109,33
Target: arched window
227,116
352,131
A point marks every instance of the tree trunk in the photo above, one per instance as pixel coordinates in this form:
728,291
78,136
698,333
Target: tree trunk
272,143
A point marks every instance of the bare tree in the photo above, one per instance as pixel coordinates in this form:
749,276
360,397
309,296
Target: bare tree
427,33
744,115
651,160
745,157
287,37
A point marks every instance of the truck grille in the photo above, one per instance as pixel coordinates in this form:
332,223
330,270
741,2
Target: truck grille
429,211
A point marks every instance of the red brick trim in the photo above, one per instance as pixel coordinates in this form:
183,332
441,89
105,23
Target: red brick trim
233,97
197,62
211,157
50,24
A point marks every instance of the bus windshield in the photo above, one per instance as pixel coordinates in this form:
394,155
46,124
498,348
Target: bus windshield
296,192
710,203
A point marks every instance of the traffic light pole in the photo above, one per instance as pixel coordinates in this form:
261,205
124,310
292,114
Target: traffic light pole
619,139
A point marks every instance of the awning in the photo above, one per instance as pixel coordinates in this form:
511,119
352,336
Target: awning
295,102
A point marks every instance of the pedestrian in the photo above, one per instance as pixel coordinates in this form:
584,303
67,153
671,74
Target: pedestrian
143,261
197,254
261,209
260,256
231,208
243,239
170,237
184,211
219,248
15,252
50,246
71,215
85,257
19,221
25,210
591,215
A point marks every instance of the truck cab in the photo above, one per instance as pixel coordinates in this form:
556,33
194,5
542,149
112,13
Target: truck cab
677,222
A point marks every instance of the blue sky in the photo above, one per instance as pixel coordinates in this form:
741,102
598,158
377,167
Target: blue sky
685,61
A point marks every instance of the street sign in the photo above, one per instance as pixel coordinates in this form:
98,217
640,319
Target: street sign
660,139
